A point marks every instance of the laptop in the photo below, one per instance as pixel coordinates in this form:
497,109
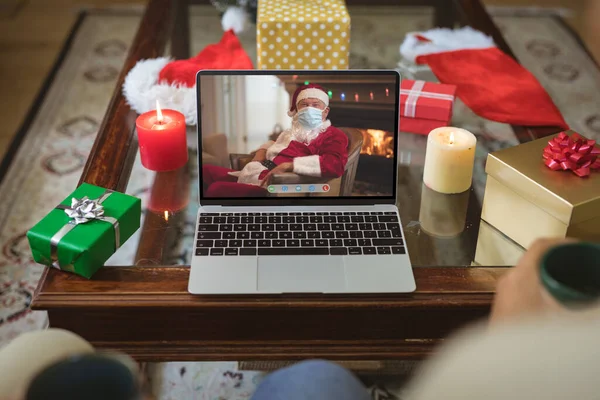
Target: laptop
304,202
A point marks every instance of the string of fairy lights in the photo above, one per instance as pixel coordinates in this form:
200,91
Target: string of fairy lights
342,94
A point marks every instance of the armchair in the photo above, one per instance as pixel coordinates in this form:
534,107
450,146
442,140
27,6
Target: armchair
214,150
341,186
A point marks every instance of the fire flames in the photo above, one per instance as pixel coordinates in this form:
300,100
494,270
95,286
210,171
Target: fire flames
377,143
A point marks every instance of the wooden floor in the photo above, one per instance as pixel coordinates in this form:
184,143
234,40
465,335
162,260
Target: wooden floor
32,33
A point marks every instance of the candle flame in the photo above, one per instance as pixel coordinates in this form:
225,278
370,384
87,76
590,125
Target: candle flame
451,137
159,115
166,215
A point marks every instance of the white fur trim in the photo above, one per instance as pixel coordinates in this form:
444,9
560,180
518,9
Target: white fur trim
283,141
308,165
250,173
235,18
141,90
302,136
443,40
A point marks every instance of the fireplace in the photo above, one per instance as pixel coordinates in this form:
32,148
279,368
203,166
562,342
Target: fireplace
376,163
377,143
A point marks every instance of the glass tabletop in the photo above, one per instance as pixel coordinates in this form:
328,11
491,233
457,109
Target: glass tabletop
441,230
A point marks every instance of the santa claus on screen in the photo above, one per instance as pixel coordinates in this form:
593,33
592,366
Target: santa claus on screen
311,147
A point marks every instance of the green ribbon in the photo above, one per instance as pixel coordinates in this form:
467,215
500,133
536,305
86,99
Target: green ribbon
82,211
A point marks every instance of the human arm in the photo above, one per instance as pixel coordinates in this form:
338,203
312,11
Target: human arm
250,174
260,155
330,160
280,169
541,357
519,292
531,349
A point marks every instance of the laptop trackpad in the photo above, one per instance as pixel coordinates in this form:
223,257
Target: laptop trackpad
282,274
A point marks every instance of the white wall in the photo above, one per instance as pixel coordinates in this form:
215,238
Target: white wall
267,103
211,100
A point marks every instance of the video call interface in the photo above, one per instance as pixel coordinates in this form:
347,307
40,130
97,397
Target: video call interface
297,135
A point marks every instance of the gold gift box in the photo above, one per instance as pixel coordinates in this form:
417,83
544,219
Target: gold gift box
302,34
495,249
526,200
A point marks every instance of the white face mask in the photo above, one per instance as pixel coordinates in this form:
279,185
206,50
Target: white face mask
310,117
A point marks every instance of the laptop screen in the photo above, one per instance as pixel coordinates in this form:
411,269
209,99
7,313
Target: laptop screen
299,137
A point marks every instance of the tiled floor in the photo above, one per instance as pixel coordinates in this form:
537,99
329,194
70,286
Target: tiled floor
32,33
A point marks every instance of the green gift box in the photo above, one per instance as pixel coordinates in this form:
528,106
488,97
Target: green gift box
83,231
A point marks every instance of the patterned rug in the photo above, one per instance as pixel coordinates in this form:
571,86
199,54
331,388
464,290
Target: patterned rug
49,162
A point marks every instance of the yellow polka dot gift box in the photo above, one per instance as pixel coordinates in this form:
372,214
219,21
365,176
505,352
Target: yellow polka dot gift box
302,34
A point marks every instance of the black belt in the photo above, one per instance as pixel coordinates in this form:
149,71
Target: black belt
268,164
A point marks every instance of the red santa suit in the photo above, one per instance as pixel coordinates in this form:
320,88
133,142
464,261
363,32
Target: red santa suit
320,152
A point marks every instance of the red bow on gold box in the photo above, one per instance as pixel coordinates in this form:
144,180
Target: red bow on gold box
574,153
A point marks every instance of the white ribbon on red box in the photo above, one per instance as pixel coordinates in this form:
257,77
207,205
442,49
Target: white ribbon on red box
410,107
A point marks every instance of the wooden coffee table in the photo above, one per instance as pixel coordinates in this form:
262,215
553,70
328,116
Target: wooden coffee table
146,311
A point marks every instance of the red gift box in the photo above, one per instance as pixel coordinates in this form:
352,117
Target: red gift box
425,106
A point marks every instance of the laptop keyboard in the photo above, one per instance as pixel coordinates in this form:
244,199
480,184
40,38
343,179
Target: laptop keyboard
299,233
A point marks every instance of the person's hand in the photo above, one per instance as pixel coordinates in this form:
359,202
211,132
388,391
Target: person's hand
519,292
280,169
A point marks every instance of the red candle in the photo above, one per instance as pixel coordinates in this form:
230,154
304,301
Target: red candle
162,139
170,191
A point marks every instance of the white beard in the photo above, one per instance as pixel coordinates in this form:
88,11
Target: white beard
296,133
303,135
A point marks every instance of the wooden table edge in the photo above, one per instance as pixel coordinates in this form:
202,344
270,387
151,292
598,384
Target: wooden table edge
121,304
166,286
275,351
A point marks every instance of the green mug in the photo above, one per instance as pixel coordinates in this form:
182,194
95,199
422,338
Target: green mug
571,273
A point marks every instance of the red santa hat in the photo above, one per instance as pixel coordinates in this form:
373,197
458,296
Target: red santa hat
488,81
173,83
310,91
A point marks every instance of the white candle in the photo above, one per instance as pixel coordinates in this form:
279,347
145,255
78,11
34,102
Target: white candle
449,160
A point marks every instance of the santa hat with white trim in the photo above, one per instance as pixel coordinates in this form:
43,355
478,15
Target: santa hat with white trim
310,91
488,81
173,83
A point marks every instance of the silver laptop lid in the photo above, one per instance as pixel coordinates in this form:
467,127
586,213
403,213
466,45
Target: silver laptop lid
297,137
